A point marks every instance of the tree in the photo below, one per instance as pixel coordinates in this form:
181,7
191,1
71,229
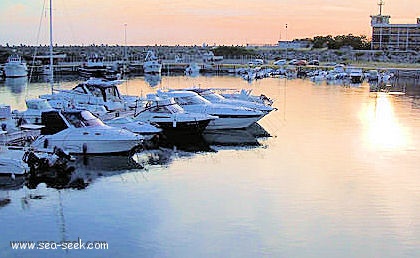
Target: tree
337,42
322,41
232,51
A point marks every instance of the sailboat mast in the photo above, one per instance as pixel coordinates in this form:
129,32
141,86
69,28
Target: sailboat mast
125,49
51,49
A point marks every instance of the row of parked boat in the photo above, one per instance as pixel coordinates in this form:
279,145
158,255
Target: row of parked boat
95,118
351,74
93,67
340,72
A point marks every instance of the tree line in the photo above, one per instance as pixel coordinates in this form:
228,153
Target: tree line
330,42
337,42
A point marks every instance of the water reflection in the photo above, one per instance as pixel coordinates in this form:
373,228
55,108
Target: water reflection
16,85
409,85
8,184
84,170
236,137
383,129
186,143
318,188
153,79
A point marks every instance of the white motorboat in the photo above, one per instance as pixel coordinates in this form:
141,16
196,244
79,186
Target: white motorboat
229,116
355,74
93,67
171,117
11,163
7,123
94,92
15,130
373,75
338,73
147,130
80,132
249,75
12,167
151,63
216,98
15,67
34,109
246,96
192,70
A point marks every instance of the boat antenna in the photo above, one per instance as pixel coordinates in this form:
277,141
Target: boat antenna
51,51
381,3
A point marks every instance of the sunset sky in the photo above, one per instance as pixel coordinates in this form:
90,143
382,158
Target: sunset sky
171,22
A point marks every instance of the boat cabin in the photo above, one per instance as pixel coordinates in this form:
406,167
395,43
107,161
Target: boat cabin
186,98
106,92
57,121
14,58
162,105
35,107
95,60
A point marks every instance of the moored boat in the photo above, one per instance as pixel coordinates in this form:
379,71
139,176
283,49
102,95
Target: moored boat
229,116
151,63
15,67
215,98
171,117
80,132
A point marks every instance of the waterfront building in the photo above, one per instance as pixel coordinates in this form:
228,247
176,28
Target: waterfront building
394,37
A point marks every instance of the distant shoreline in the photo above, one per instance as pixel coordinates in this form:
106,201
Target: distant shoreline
361,58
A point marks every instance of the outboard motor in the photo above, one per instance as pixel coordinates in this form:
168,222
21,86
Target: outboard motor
45,161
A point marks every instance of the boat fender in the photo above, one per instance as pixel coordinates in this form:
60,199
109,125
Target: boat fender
174,123
84,148
45,143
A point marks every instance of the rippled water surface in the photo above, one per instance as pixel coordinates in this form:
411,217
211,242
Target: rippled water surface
338,176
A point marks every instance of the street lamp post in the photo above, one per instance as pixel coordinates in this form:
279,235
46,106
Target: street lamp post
287,43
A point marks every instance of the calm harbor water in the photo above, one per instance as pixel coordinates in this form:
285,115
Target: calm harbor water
338,177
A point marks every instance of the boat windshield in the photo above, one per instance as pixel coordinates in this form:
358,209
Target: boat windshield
91,120
112,94
211,96
165,109
175,108
95,91
82,119
121,120
41,105
191,100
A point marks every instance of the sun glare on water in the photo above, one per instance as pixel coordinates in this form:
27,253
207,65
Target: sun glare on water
383,130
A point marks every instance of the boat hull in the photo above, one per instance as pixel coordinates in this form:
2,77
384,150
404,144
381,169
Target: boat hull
356,78
93,72
152,67
185,128
98,141
86,147
233,121
15,71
